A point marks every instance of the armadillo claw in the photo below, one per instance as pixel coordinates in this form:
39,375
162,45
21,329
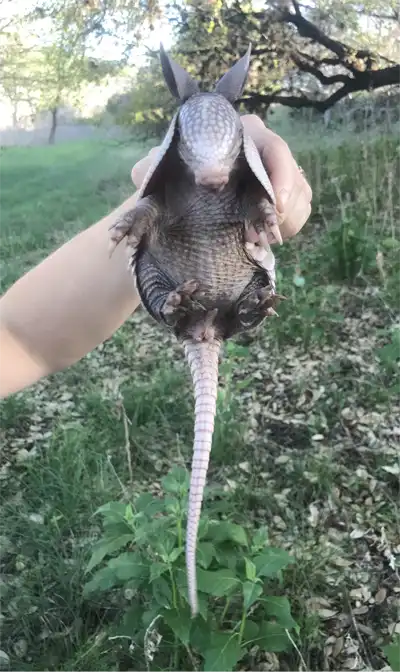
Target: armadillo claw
274,228
134,223
270,220
180,300
266,235
172,302
263,238
188,288
112,244
270,229
256,306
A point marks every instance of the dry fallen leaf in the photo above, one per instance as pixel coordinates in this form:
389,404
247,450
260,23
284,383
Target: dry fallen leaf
380,595
326,613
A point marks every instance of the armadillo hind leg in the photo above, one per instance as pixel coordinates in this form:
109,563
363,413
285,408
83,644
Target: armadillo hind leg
184,312
134,223
253,307
180,300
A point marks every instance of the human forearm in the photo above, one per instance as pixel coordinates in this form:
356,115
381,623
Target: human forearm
64,307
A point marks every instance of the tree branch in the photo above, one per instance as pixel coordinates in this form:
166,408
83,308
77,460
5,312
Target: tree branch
309,30
312,69
376,80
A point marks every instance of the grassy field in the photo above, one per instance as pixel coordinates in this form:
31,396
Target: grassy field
307,432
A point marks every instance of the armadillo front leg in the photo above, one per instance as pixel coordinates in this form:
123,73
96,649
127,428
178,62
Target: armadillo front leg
134,223
261,216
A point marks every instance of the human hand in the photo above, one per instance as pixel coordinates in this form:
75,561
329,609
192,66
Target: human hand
292,191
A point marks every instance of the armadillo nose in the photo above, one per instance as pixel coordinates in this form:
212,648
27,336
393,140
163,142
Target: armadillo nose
212,178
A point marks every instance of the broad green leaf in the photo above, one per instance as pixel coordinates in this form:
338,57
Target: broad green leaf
113,529
129,566
179,622
106,547
251,592
129,515
223,652
166,545
280,608
177,480
260,538
148,505
112,510
201,633
132,619
203,526
227,531
272,637
172,505
218,583
392,653
157,569
226,557
104,579
149,615
271,561
162,592
205,553
181,584
175,553
250,631
158,529
251,571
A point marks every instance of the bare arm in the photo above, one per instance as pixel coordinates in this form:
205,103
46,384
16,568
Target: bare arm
64,307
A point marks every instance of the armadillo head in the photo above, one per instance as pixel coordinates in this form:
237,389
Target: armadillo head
210,131
210,138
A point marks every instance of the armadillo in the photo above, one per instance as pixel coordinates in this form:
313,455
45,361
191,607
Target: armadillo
199,246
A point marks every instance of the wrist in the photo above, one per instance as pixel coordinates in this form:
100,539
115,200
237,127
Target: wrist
18,368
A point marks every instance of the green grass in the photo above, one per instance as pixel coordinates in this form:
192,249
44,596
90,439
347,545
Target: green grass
305,440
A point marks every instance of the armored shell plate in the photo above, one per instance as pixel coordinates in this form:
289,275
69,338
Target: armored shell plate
145,189
255,163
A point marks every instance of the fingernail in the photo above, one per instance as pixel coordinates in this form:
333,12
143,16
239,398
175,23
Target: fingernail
283,198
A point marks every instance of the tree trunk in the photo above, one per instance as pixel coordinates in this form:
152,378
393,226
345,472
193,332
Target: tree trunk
53,125
15,115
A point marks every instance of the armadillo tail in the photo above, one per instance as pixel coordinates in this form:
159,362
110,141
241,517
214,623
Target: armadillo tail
203,361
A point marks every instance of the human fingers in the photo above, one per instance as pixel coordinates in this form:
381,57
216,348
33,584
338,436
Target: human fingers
292,191
140,168
296,213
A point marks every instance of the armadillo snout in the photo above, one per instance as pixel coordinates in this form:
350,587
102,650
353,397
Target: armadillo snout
214,178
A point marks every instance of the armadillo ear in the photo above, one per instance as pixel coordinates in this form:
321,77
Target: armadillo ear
233,82
179,82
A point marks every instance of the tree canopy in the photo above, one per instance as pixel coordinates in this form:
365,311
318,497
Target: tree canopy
305,53
46,49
